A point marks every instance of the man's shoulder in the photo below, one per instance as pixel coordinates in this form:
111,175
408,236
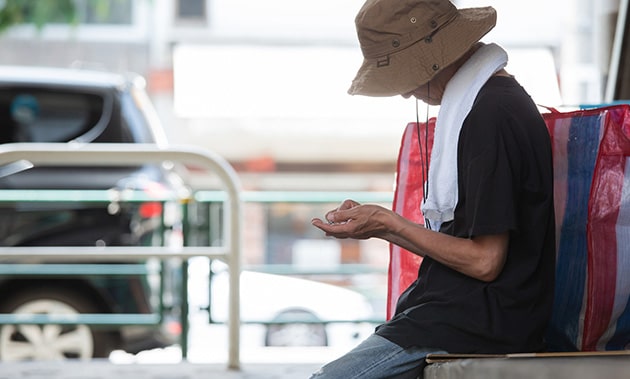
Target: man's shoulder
503,96
499,89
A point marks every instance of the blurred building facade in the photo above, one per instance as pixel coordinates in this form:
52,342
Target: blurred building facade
263,83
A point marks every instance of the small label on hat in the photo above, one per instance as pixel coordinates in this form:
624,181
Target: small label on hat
382,62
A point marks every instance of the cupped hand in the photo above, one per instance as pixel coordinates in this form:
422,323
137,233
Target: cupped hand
353,220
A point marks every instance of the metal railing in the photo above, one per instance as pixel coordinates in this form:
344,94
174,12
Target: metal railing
62,154
304,197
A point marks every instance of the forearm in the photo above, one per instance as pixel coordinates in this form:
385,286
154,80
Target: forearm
481,258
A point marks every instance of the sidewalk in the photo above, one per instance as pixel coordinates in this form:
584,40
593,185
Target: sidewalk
528,368
104,369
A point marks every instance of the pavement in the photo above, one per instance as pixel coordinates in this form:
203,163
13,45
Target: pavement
105,369
300,363
538,368
202,363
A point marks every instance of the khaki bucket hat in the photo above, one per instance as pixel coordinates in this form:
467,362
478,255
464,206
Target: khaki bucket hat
405,43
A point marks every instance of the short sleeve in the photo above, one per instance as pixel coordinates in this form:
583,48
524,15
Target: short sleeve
488,174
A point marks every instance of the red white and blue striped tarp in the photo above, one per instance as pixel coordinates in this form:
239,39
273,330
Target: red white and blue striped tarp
592,202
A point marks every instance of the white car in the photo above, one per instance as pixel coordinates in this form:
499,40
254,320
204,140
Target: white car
318,314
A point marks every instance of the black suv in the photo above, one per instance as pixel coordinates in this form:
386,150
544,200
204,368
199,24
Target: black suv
40,104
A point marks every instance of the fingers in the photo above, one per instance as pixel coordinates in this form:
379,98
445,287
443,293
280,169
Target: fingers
337,230
348,204
335,222
318,222
337,215
327,225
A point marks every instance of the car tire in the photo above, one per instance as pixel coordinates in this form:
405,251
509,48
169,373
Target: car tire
50,342
297,333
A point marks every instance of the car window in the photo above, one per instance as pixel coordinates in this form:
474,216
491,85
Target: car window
39,115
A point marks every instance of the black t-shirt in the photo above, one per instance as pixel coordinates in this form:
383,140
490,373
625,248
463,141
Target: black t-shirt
505,183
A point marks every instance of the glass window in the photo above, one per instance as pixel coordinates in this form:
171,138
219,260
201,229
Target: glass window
191,10
117,12
104,11
35,115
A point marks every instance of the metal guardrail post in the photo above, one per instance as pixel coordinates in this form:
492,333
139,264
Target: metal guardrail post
62,154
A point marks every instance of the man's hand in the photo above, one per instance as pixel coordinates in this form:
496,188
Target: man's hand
480,257
352,220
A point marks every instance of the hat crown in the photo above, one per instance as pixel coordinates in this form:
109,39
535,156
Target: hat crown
387,26
405,43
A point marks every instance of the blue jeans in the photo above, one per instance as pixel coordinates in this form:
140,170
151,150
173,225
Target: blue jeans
377,358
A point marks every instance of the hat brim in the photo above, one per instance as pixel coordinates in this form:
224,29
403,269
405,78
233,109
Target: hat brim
416,65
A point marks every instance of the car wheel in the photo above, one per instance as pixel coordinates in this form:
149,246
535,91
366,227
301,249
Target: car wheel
297,333
50,342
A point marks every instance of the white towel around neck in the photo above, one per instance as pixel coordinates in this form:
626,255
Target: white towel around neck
459,95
